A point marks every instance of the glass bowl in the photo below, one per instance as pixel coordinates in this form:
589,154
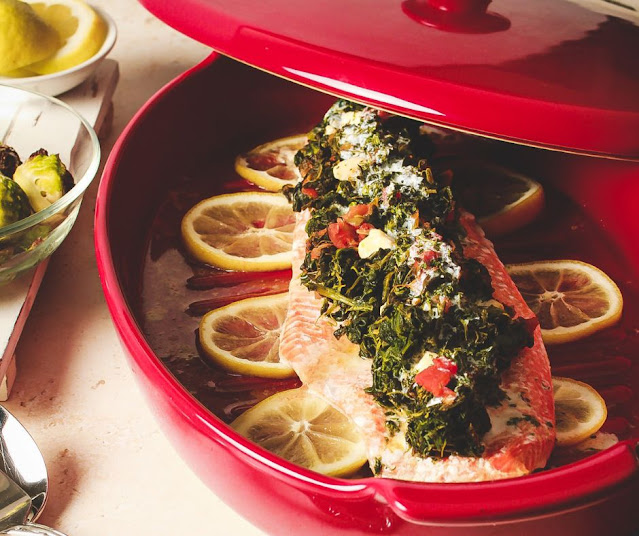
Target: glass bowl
28,122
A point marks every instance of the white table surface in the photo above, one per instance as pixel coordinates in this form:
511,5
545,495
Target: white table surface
111,470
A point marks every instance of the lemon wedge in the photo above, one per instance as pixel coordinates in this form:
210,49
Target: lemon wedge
247,231
244,337
22,72
572,299
304,429
272,165
81,30
24,37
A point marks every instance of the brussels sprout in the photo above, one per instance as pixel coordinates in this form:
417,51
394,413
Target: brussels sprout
44,178
14,204
9,160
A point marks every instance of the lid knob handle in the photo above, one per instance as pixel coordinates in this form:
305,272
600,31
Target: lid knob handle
460,7
459,16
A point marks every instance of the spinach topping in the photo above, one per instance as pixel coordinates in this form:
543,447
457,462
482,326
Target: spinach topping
385,250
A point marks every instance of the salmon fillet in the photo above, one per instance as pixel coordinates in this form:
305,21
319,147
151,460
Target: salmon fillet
452,382
333,369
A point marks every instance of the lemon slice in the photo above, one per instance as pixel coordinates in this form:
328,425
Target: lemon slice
579,411
304,429
247,231
80,28
244,337
271,165
572,299
501,200
24,37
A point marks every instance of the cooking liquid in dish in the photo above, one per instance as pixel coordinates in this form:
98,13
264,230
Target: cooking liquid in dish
170,310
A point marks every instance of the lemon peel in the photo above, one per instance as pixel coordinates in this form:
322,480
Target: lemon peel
24,37
80,28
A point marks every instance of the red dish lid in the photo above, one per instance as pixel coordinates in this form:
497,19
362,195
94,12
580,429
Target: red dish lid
561,74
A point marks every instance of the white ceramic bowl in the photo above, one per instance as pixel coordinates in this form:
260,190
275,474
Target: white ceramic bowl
57,83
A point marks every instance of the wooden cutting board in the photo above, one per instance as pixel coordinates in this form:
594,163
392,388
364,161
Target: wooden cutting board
94,101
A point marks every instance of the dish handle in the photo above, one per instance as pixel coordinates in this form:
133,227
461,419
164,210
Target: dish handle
549,491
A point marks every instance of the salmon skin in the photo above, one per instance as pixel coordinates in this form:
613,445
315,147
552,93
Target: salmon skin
521,432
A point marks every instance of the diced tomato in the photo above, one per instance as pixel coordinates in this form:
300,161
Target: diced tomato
356,214
342,234
349,231
436,377
430,255
311,192
363,230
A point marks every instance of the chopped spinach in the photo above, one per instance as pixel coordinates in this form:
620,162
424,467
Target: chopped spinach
414,296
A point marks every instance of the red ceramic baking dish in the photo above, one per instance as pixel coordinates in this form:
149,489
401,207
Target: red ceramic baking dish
213,108
180,148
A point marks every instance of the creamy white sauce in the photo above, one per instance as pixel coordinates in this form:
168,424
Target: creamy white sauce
513,407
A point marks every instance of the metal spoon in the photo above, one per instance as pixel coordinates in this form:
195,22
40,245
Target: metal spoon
23,480
32,529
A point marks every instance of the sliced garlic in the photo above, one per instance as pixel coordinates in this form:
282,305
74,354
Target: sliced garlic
375,241
350,118
348,169
426,361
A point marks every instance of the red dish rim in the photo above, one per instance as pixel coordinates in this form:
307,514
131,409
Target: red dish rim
574,485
